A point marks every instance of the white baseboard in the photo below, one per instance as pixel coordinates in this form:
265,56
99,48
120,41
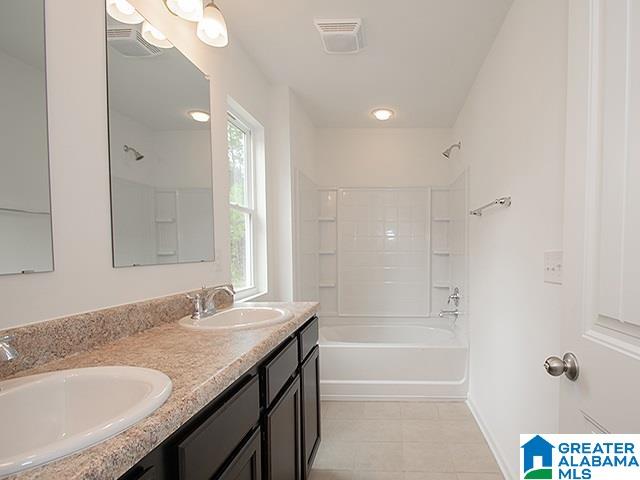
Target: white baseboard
389,398
502,464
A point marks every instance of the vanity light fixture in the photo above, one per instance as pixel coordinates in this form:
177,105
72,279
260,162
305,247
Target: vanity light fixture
212,29
382,114
124,12
199,116
191,10
154,36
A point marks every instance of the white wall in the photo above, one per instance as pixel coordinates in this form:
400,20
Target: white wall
84,278
369,157
512,130
306,239
292,149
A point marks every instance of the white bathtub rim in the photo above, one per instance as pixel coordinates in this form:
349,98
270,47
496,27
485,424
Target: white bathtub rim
458,338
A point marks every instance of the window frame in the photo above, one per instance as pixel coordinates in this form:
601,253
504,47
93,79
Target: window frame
251,208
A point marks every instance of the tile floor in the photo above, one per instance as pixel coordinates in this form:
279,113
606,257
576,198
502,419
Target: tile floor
402,441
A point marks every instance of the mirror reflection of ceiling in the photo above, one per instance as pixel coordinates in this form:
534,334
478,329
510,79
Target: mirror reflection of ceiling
16,21
157,91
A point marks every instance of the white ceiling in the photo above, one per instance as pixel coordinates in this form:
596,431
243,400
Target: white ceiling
421,56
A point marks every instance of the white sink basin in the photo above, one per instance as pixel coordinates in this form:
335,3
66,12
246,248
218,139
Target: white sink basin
48,416
239,318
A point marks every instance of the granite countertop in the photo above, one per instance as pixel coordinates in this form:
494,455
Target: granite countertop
200,364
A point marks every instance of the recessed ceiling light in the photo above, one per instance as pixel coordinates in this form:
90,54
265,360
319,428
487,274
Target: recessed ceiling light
382,114
199,116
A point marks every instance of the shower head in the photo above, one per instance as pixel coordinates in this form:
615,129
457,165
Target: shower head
138,156
447,152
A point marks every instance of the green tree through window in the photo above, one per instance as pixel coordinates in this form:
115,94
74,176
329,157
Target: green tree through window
241,203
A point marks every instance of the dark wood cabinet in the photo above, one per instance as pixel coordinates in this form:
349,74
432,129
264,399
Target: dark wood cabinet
283,436
205,450
311,421
247,464
266,426
277,371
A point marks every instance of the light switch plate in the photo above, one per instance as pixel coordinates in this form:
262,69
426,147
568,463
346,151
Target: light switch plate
553,267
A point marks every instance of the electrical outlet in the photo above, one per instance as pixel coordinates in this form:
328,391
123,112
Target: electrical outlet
553,267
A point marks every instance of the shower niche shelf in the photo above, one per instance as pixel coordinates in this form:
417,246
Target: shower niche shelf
440,249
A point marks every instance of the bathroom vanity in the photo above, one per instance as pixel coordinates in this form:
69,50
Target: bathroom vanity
264,426
243,403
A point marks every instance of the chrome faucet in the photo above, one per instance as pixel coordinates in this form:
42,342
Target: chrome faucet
209,304
7,352
203,301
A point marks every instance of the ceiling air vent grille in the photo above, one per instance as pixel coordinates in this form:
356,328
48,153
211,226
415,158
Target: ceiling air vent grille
341,36
129,42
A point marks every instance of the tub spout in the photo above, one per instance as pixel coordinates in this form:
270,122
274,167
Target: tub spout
449,314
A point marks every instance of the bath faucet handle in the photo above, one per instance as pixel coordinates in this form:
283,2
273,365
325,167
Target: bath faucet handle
454,297
198,304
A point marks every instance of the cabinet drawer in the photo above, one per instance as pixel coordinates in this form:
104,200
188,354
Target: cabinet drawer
247,464
279,370
308,339
203,452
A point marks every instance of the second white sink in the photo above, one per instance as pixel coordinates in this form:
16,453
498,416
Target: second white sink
51,415
239,318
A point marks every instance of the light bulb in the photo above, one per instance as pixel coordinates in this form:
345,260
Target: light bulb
212,29
382,114
187,9
154,36
124,12
199,116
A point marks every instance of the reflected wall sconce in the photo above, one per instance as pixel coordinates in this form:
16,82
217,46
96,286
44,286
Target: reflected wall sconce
124,12
154,36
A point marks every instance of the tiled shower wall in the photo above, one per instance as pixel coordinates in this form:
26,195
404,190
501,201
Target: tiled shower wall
383,252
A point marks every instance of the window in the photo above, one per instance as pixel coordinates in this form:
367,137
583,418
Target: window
242,203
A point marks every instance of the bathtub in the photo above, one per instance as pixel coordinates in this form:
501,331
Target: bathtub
379,359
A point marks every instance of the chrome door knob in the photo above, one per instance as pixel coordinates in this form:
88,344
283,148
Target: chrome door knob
568,365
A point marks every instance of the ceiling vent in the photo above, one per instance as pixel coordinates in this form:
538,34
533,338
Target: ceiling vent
129,42
341,36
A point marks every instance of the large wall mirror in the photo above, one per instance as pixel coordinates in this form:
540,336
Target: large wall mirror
160,151
25,207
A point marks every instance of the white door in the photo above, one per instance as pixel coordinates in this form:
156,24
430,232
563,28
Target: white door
602,218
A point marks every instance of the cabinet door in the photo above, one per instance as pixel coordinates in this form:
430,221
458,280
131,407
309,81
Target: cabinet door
310,375
246,465
283,442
